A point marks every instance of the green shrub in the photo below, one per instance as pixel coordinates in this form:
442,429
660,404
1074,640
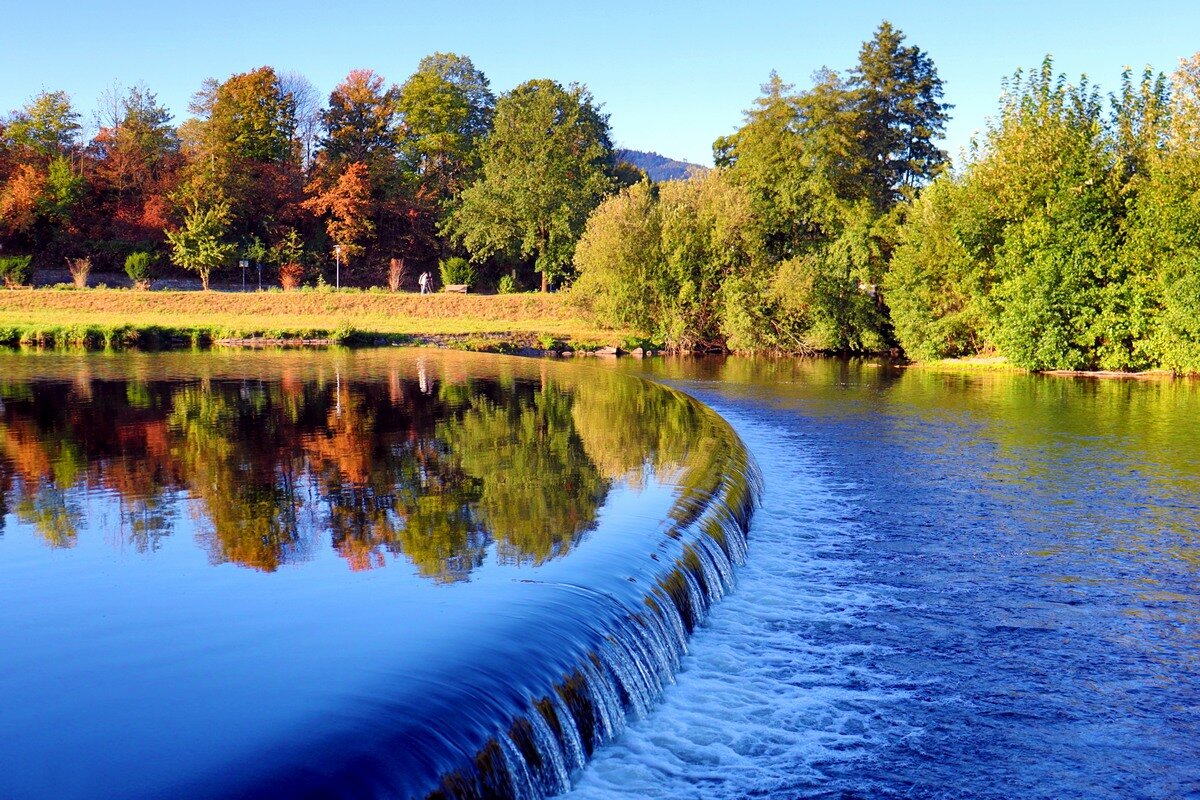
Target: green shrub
139,266
507,285
16,270
456,270
343,333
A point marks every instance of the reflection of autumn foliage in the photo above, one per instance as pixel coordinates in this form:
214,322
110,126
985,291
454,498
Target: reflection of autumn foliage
433,467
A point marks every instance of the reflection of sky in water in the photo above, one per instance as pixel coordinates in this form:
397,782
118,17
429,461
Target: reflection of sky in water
206,654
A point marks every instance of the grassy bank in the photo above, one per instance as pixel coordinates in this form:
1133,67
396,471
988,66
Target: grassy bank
122,317
1001,364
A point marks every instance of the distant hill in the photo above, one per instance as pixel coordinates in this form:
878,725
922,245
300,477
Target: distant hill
660,168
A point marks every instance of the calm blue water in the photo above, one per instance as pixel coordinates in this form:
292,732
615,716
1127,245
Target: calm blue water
958,586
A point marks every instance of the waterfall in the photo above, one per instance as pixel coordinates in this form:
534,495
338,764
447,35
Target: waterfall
536,753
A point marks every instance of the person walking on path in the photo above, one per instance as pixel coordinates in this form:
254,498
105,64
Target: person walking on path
424,281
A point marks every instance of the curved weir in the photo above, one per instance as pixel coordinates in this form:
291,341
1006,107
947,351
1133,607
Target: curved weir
552,534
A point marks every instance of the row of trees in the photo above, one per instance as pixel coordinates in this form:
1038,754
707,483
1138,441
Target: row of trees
784,245
392,178
1069,239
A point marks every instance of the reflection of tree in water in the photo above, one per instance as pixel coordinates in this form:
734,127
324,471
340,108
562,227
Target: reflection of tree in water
628,426
540,491
231,448
269,468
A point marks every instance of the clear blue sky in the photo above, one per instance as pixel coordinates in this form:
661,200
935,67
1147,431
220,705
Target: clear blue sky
672,75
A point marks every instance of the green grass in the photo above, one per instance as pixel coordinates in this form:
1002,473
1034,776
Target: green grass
126,318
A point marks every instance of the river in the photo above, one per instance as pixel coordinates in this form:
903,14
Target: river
959,585
392,573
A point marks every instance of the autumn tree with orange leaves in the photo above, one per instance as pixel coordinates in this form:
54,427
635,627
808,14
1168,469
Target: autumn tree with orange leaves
346,207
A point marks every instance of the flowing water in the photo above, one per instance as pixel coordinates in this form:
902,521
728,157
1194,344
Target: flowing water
368,574
978,585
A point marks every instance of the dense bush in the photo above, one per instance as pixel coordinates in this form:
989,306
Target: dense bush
16,270
140,267
507,285
456,270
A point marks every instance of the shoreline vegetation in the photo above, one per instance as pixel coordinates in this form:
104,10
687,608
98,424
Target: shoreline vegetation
523,324
832,221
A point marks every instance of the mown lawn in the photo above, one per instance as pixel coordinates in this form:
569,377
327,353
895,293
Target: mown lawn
51,315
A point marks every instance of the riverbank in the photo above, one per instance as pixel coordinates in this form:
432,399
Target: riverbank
127,318
1001,364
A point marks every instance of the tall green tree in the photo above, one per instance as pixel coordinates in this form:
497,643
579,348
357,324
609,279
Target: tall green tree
546,164
898,94
48,125
243,148
446,107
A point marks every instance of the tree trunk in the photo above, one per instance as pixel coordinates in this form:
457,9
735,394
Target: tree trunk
545,283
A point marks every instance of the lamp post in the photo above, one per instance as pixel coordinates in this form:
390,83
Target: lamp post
337,260
243,264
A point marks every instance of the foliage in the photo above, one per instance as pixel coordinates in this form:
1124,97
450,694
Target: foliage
48,125
140,267
618,254
360,121
936,291
199,244
456,270
346,207
898,95
447,108
21,200
1067,238
546,164
1037,250
1162,251
785,246
242,150
16,270
507,285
